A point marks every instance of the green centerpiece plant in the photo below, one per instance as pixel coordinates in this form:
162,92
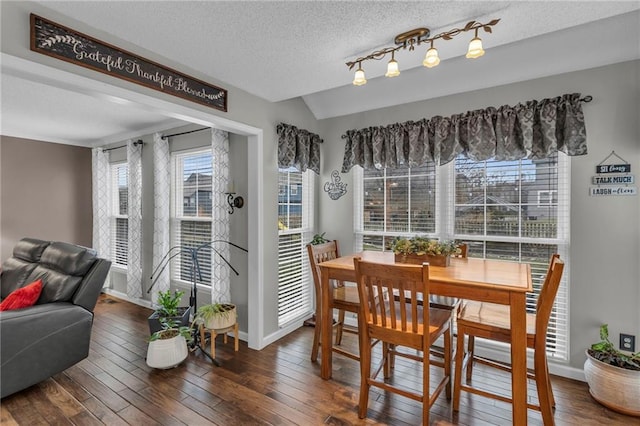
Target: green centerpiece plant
421,249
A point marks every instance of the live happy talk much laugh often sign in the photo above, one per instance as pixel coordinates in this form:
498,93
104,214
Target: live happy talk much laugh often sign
60,42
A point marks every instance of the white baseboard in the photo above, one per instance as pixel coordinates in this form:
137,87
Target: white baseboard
123,296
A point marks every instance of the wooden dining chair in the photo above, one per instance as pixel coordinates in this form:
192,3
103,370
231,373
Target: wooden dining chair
345,299
399,323
491,321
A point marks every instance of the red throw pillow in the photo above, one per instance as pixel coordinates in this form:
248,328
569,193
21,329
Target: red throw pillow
22,297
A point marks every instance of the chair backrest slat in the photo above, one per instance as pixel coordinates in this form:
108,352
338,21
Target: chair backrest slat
377,284
547,296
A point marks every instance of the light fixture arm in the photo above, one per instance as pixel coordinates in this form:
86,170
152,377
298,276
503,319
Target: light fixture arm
416,37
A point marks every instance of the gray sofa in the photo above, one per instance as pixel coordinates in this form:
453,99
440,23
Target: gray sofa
42,340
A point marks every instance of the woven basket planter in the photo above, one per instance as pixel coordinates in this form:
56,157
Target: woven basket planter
614,387
438,260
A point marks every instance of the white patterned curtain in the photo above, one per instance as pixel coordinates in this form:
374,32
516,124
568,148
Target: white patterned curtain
101,194
134,210
220,284
161,201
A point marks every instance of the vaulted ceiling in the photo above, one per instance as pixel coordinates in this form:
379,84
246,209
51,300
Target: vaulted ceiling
279,50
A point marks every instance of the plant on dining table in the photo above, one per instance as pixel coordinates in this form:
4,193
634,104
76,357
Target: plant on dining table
422,246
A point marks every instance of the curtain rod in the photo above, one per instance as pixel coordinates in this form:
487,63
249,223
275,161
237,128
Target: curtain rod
586,99
184,133
136,143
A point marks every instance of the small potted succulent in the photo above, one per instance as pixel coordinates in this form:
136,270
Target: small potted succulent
168,308
613,376
422,249
168,346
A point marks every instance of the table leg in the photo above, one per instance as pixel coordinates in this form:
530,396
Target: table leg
519,357
325,328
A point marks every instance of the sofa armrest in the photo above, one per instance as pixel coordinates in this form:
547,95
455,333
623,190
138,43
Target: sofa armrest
91,285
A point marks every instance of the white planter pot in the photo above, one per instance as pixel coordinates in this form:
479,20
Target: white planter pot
222,321
167,353
614,387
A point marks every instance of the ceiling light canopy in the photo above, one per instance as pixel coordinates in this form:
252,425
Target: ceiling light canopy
416,37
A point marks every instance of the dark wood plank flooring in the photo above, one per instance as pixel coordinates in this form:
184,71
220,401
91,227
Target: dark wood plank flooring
276,386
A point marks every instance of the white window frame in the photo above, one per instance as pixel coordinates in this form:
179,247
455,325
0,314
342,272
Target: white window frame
177,214
545,198
114,173
445,221
300,282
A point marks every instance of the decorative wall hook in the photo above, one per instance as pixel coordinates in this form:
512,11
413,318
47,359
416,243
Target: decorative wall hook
336,188
234,202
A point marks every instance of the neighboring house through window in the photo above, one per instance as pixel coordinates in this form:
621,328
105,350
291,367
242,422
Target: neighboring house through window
191,212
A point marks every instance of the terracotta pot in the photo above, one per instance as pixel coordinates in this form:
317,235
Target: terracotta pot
614,387
438,260
167,353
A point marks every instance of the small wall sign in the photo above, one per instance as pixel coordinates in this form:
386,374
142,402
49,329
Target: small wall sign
613,168
596,191
55,40
613,179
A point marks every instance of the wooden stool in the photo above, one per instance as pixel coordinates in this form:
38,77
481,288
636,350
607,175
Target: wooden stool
215,333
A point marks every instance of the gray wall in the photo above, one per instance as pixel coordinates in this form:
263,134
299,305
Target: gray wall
604,280
45,193
242,107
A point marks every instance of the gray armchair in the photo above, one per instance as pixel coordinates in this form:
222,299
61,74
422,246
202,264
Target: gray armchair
40,341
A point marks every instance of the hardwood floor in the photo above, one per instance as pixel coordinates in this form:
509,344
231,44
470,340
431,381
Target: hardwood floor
276,386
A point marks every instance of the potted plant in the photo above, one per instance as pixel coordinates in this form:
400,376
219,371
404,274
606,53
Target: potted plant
318,239
168,308
613,376
168,346
217,316
422,249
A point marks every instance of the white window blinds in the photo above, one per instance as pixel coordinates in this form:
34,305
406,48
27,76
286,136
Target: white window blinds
295,226
517,211
191,213
509,210
119,213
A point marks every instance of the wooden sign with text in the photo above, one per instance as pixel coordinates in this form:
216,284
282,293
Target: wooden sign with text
613,168
68,45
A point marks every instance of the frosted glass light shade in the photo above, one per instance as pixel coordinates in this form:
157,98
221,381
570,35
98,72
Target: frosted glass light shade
475,49
432,59
392,69
359,79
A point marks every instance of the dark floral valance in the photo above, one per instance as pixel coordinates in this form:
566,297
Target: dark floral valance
534,129
298,148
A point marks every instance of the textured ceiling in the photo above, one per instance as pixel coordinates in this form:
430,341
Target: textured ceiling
285,49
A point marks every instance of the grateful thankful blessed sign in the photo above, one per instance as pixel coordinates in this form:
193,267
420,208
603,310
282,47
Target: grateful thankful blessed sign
60,42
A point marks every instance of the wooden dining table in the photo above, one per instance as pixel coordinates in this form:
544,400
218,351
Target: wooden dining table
484,280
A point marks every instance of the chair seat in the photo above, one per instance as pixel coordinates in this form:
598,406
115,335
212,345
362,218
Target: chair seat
346,298
444,302
493,318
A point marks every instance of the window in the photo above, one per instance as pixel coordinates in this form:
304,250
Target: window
295,226
396,202
508,210
119,213
511,210
191,213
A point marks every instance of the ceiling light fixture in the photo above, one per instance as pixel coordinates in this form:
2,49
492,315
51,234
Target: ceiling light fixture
416,37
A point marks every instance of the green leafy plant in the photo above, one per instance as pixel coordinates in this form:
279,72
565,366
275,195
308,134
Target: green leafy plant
423,246
168,303
605,351
170,329
319,239
206,312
